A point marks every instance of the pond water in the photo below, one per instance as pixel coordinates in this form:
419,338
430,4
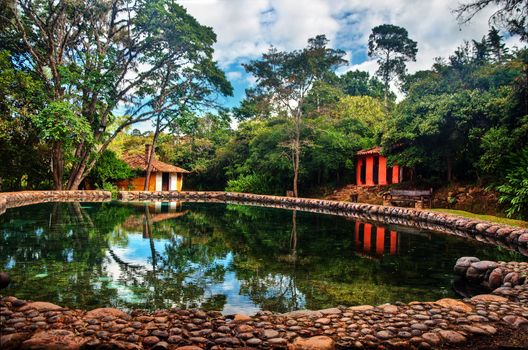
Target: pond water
221,256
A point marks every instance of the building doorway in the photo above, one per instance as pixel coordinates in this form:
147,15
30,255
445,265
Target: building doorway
165,181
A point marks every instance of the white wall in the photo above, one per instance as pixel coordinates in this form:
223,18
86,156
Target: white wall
173,182
159,179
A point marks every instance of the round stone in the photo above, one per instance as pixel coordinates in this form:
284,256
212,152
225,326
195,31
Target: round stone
270,333
452,337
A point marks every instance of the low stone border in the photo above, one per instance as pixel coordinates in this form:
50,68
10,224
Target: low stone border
510,237
18,199
507,279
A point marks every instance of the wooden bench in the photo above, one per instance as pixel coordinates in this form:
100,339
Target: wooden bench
417,197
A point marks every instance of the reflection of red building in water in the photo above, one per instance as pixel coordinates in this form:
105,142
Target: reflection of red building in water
371,169
373,240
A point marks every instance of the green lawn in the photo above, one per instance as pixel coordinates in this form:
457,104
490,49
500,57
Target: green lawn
497,219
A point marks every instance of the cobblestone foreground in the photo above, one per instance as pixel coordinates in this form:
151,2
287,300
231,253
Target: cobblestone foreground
445,323
417,325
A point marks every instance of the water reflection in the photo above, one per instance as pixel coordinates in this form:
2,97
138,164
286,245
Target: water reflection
223,257
375,240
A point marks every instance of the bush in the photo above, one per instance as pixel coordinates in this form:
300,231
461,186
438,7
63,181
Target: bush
109,168
514,190
252,183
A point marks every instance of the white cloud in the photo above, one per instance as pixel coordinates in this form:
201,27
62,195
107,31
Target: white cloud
247,28
234,75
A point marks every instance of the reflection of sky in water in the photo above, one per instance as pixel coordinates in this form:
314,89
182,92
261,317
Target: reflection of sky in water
138,252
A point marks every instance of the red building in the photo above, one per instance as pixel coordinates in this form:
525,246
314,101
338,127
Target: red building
372,169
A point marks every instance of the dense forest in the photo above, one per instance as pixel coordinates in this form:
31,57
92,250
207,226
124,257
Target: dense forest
76,80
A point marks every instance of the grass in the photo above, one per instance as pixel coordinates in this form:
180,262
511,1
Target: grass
491,218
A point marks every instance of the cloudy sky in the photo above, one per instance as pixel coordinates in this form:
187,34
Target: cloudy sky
247,28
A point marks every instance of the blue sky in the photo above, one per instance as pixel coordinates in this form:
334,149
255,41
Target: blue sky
247,28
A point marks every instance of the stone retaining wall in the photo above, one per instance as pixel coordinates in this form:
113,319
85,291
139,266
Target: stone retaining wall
510,237
18,199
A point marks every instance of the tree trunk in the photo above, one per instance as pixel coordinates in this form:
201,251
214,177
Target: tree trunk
449,169
77,174
296,155
57,164
151,158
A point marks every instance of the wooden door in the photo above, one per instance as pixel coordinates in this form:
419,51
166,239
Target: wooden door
165,178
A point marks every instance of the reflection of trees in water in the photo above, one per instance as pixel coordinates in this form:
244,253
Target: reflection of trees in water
56,253
181,273
283,260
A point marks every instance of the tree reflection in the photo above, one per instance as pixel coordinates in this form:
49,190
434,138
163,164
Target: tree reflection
210,255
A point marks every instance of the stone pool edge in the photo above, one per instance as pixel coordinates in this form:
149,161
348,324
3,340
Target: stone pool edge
511,237
446,322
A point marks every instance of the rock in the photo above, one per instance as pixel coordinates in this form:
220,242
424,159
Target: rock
254,342
323,320
473,329
150,340
523,239
516,321
331,311
384,335
303,313
107,311
452,337
495,278
276,342
244,328
463,264
431,338
4,280
161,346
314,343
390,309
361,308
57,339
484,265
489,298
457,305
41,306
473,274
513,278
270,333
13,340
241,318
174,339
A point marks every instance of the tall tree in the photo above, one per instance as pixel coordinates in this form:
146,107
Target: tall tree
196,87
392,47
285,78
99,56
511,15
495,44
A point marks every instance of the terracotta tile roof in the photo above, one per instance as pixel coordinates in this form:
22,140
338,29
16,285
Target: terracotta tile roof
138,161
373,150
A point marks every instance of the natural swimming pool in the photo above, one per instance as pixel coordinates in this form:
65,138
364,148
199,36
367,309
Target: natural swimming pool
221,256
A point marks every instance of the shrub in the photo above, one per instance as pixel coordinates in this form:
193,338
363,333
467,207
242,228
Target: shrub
514,190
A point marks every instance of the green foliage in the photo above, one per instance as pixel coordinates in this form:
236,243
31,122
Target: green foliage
108,169
359,83
514,188
392,47
252,183
61,122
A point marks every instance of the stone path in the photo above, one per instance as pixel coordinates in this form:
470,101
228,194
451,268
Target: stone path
420,325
